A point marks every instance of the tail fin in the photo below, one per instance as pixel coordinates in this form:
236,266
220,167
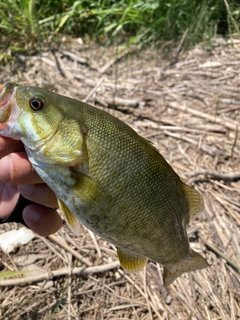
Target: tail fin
194,262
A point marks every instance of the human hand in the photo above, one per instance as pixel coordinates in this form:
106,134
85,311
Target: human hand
18,176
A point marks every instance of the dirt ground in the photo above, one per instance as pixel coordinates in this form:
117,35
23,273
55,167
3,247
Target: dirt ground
188,105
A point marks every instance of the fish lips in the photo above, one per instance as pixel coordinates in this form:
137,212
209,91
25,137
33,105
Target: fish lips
8,111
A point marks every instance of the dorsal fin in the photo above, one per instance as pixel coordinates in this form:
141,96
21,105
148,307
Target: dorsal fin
195,200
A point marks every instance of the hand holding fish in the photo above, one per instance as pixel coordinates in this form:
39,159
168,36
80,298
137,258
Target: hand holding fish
17,176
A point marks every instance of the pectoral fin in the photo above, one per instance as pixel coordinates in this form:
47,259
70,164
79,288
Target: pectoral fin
86,188
69,217
75,191
130,262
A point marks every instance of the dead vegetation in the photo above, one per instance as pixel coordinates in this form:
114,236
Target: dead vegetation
190,108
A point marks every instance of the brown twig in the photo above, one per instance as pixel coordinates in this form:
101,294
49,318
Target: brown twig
116,58
60,272
69,249
117,102
98,84
221,254
214,175
225,122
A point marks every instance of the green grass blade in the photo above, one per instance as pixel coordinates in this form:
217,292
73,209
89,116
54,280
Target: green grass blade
11,274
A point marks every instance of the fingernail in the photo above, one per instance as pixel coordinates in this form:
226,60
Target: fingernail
32,214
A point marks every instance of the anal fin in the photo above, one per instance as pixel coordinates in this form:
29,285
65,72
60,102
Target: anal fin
130,262
69,216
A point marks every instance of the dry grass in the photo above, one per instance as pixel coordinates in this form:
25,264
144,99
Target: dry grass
190,109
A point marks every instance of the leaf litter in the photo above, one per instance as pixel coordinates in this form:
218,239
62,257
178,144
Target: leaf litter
189,106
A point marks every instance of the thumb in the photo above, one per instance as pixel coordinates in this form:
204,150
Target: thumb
42,220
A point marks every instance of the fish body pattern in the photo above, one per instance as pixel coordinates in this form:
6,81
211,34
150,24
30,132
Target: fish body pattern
106,176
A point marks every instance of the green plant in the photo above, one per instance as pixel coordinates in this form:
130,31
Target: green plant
25,24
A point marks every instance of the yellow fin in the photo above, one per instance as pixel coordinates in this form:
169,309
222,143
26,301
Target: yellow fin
195,200
194,262
69,216
86,188
130,262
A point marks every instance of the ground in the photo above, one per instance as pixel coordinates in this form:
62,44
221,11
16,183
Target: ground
188,105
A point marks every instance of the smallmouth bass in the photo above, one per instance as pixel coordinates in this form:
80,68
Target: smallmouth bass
106,176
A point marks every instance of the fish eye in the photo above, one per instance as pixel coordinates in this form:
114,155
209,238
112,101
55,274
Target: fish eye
36,103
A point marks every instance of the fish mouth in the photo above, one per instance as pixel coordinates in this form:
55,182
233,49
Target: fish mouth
7,112
6,98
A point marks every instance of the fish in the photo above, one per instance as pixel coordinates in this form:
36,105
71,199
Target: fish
106,176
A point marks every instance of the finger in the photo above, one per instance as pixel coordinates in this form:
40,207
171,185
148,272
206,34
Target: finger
16,169
8,145
39,193
42,220
9,196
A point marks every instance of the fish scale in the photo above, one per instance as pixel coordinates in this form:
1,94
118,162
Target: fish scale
106,176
